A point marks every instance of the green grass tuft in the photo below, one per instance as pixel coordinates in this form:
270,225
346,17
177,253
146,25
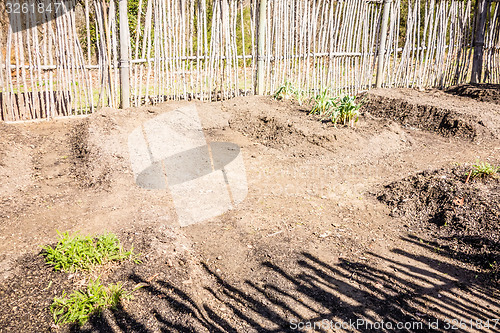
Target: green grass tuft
76,252
80,305
286,91
323,104
484,169
300,95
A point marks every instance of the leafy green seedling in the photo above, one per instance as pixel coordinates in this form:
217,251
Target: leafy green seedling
300,95
483,170
348,111
286,91
323,104
76,252
77,307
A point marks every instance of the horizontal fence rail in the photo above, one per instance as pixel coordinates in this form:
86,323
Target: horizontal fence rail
68,62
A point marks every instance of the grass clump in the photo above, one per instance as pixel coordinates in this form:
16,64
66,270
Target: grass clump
484,170
323,104
286,91
300,95
80,305
76,252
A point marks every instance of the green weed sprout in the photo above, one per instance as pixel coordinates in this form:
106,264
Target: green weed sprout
75,252
300,95
484,169
348,111
323,103
286,91
77,307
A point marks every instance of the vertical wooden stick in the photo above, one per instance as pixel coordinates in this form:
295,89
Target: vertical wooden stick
261,46
477,62
383,38
124,52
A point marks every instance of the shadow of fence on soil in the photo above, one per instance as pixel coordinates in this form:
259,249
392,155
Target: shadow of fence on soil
415,290
478,250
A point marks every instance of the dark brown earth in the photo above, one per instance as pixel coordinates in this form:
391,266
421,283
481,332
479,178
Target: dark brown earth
340,224
436,111
462,213
481,92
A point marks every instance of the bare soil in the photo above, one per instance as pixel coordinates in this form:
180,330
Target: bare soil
373,223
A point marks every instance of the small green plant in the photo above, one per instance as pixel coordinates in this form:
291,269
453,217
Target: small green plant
323,103
75,252
77,307
483,170
286,91
343,110
300,95
348,111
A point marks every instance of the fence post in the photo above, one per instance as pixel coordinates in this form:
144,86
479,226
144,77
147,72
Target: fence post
382,44
124,55
261,44
477,60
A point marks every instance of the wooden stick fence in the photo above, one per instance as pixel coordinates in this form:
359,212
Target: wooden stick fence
492,45
69,63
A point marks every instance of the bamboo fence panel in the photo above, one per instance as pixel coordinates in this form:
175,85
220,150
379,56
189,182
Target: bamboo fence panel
435,50
491,61
42,64
51,66
322,44
193,49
